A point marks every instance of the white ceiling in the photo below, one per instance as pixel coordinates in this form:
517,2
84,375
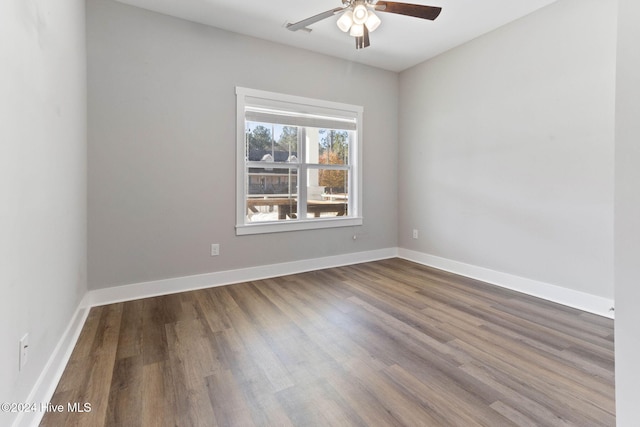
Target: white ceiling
399,43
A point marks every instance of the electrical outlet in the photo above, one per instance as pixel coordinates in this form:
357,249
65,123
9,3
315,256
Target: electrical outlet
215,249
415,233
24,350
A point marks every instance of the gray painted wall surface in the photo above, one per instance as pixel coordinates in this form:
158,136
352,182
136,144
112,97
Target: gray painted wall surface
162,146
506,149
42,183
627,248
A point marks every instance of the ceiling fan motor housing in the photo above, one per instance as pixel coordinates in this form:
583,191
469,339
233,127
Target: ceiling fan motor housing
348,3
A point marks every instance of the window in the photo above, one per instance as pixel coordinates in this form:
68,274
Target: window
298,163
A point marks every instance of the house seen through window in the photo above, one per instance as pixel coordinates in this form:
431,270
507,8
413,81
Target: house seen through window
299,163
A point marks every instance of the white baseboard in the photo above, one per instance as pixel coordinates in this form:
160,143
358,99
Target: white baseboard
50,376
565,296
188,283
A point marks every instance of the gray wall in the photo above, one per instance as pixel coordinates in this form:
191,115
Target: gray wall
506,149
627,248
42,183
162,146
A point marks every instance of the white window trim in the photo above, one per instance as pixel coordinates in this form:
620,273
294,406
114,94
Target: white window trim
355,161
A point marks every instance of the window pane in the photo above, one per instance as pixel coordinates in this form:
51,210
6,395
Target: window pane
271,194
328,146
327,193
271,142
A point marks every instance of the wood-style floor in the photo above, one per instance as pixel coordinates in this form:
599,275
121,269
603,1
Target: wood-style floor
386,343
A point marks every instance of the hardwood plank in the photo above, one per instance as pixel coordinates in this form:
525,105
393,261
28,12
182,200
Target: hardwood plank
229,406
513,415
158,398
253,323
155,315
130,338
213,307
190,362
261,401
125,393
361,399
316,403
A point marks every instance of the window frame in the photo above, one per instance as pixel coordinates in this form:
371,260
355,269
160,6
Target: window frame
354,210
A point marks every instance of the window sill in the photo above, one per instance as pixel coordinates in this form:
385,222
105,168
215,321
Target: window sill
298,225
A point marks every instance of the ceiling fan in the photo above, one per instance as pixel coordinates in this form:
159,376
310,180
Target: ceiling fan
358,17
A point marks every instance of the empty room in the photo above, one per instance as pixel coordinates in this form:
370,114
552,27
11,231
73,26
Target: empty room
338,212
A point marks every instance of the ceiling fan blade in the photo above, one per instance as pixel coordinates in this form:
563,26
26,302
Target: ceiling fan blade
319,17
416,10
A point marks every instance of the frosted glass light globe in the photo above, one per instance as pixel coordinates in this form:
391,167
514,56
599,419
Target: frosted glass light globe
357,30
360,14
345,21
372,22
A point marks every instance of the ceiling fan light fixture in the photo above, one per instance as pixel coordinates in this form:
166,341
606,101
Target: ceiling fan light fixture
372,22
360,14
345,21
357,17
357,30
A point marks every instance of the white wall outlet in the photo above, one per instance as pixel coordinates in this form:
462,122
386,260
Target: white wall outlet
415,233
24,351
215,249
